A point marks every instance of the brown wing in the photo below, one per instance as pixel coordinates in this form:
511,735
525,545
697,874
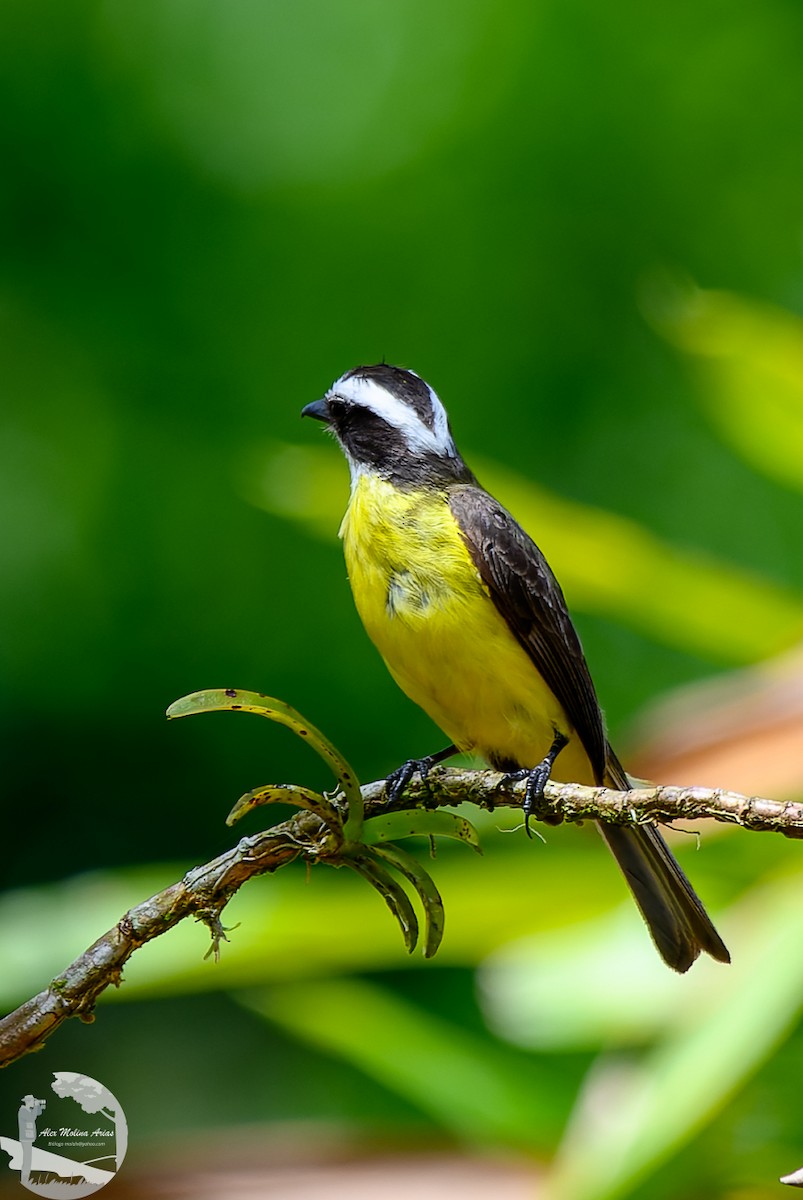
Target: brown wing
528,596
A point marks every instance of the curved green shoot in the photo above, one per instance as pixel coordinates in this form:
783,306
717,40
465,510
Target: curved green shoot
392,892
300,797
424,884
238,700
420,823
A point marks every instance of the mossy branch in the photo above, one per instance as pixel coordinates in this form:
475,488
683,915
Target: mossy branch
204,891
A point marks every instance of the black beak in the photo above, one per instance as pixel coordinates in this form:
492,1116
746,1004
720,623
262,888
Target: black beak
319,409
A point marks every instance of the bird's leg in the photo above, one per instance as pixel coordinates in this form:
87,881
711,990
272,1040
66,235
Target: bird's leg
397,780
537,777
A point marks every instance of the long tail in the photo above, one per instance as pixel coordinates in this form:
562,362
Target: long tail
676,919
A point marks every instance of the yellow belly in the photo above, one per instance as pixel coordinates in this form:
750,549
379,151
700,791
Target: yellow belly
425,608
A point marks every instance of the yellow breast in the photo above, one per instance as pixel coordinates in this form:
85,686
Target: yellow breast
426,609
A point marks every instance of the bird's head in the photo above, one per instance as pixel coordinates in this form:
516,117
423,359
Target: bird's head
388,420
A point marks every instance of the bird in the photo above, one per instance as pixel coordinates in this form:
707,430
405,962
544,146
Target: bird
474,628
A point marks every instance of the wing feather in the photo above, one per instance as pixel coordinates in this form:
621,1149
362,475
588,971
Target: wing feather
529,597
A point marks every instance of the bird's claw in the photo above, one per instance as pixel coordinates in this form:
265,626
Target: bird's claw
397,780
537,778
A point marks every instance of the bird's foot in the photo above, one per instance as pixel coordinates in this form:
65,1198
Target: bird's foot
398,780
537,778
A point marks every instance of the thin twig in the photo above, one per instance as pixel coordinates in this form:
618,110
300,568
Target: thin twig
204,891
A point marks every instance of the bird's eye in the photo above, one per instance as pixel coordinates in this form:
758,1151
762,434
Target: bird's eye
338,407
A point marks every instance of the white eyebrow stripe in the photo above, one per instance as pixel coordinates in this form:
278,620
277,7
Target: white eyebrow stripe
440,423
369,394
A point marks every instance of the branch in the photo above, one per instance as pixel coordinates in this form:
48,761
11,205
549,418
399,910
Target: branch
204,891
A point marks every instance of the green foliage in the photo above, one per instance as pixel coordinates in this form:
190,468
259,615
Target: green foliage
209,212
362,846
750,360
237,700
476,1093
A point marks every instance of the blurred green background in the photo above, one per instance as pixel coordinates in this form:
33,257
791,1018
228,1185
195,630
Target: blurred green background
583,225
